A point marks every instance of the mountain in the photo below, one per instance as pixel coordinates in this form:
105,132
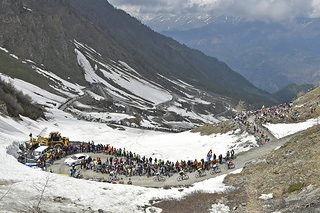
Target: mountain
285,180
291,92
271,55
87,54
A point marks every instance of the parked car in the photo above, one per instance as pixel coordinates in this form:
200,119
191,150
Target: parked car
75,159
41,150
31,163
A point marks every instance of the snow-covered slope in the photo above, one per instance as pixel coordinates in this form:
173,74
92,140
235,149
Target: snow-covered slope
114,87
281,130
23,183
122,76
21,186
37,94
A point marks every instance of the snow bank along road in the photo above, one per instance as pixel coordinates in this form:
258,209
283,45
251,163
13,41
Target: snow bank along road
240,161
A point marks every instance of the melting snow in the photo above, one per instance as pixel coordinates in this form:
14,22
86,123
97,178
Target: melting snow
191,114
139,87
120,198
4,49
90,75
283,129
28,9
37,94
266,196
95,96
14,56
219,208
65,85
86,47
105,116
30,61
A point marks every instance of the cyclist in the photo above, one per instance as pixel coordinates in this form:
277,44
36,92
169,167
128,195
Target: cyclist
129,182
199,170
215,168
230,164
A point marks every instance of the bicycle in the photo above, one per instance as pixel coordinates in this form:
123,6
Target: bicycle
200,174
159,178
182,177
230,165
216,169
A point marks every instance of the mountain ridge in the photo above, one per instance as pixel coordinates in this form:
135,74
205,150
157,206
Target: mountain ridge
269,54
73,47
161,60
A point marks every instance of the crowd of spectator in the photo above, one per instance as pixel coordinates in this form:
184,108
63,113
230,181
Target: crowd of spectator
118,161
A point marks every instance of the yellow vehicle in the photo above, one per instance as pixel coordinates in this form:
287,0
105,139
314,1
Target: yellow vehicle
54,140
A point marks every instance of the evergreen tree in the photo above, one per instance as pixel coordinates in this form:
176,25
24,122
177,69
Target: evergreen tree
241,106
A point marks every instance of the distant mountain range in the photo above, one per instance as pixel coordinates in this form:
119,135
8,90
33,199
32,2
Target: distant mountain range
292,91
89,52
271,55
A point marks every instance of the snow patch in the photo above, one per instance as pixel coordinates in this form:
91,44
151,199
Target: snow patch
153,210
86,47
37,94
278,147
92,77
219,208
128,67
82,193
284,129
90,74
14,56
65,85
95,96
142,92
266,196
81,105
186,113
198,100
104,116
28,9
30,61
139,87
4,49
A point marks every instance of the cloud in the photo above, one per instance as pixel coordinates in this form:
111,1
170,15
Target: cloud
274,10
315,9
269,10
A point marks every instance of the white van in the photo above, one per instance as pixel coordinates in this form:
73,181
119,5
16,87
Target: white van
41,150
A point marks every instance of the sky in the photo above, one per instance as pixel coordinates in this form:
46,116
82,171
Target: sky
266,10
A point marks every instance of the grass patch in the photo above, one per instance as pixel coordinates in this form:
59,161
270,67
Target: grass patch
15,69
295,187
222,127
